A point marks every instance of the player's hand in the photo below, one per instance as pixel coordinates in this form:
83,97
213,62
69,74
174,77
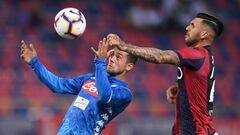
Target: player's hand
102,51
27,52
115,40
172,93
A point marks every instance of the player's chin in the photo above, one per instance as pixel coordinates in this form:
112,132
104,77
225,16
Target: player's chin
110,71
113,72
188,42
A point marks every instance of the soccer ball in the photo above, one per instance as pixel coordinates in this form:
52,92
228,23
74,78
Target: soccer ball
70,23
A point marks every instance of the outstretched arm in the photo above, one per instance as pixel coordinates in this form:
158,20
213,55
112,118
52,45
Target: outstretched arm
152,55
55,83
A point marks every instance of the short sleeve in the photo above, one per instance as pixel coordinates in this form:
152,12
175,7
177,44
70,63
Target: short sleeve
190,58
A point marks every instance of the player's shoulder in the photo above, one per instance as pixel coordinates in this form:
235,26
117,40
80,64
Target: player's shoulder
189,49
120,88
125,92
87,76
191,52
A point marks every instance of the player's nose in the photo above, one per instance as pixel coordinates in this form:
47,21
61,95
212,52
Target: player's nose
113,59
187,27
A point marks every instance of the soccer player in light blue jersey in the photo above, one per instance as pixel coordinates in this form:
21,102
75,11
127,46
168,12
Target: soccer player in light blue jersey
100,96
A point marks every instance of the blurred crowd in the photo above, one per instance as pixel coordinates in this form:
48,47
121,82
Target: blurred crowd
153,23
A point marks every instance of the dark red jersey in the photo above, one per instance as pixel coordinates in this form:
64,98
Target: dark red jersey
195,99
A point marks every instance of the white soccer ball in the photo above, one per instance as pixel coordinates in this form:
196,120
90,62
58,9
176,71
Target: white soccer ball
70,23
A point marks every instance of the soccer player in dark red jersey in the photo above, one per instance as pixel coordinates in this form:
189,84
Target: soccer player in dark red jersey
194,90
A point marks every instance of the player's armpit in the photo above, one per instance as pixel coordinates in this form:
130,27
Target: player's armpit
154,55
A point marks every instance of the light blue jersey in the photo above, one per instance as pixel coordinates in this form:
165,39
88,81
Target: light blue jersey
99,99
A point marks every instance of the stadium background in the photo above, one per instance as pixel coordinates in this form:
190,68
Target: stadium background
29,108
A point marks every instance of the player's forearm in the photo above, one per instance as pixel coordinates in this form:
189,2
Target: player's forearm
153,55
102,82
53,82
147,54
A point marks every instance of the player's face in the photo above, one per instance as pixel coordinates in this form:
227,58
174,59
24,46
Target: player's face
193,30
117,62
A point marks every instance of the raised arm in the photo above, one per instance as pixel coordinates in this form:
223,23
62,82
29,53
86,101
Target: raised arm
152,55
55,83
102,82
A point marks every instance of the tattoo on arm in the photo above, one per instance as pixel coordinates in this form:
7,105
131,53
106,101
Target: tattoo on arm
153,55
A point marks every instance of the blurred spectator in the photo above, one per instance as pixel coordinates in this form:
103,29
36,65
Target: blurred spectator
145,14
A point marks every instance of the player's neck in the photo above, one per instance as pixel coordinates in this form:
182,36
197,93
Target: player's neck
202,43
121,76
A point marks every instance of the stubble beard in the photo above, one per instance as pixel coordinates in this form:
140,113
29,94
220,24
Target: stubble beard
191,42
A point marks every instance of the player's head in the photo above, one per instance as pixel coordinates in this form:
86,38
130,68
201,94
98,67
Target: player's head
203,27
120,62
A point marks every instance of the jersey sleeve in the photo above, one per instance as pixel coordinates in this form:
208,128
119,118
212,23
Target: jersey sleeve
55,83
109,94
190,58
119,96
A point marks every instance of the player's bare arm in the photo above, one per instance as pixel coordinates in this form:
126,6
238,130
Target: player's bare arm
27,52
152,55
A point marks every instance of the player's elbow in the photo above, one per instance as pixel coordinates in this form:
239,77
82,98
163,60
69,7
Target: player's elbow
168,57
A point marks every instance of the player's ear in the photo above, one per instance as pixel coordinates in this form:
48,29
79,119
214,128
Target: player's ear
129,66
204,34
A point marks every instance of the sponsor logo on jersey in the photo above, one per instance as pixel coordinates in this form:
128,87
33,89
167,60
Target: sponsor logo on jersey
81,103
90,87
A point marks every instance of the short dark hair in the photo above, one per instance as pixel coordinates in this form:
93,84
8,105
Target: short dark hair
132,59
215,24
